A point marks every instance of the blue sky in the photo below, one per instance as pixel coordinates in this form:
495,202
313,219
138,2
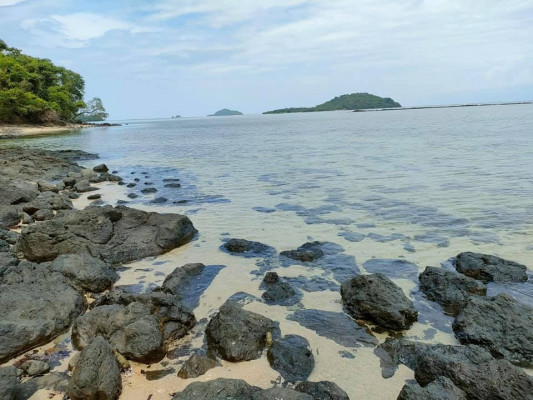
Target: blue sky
192,57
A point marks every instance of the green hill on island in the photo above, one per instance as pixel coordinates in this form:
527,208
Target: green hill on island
225,112
354,101
34,90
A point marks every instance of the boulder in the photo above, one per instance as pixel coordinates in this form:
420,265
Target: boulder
377,299
43,215
16,191
450,289
281,293
280,394
501,324
247,247
94,196
97,374
236,334
489,268
86,272
84,186
440,389
8,382
198,364
35,367
292,357
181,276
35,306
100,168
322,390
9,216
307,252
45,186
218,389
115,235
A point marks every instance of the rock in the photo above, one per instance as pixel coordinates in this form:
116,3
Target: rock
181,276
322,390
159,200
26,219
153,375
489,268
247,247
281,293
54,381
10,216
31,311
73,361
7,259
270,278
45,186
307,252
84,186
149,190
292,357
377,299
501,324
74,195
280,394
48,201
43,215
115,235
100,168
198,364
450,289
130,185
218,389
17,191
86,272
236,334
4,246
173,185
440,389
94,197
8,383
35,367
133,195
69,181
97,375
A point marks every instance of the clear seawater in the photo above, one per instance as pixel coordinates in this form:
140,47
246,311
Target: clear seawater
394,191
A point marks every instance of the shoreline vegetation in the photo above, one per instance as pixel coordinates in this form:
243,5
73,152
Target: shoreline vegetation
447,106
13,131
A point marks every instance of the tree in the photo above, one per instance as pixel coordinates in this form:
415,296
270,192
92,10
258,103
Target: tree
93,111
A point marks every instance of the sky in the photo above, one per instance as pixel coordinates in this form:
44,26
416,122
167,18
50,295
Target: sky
192,57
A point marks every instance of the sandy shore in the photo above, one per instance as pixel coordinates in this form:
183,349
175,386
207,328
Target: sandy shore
13,131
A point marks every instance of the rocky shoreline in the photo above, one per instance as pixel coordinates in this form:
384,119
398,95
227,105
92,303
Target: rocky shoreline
59,266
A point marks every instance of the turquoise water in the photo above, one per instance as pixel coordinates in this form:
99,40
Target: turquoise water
394,191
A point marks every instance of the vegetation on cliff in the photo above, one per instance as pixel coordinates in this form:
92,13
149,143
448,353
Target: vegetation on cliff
34,90
354,101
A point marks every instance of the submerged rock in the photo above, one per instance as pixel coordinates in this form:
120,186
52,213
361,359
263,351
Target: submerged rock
489,268
322,390
115,235
501,324
236,334
307,252
96,375
377,299
281,293
292,357
450,289
218,389
247,247
8,382
440,389
198,364
181,276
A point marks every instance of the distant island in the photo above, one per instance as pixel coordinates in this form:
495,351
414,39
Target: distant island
225,112
175,116
354,101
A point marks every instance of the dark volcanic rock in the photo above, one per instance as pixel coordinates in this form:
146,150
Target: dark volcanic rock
236,334
247,247
322,390
17,191
489,268
280,393
270,278
94,196
292,357
97,374
86,272
173,185
84,186
48,201
9,216
35,306
450,289
100,168
181,276
149,190
198,364
43,215
440,389
307,252
377,299
8,382
218,389
115,235
501,324
281,293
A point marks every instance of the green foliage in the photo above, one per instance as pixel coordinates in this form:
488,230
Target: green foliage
35,90
225,112
93,111
354,101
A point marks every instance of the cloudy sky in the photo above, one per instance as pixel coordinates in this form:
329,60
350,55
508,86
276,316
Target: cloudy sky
192,57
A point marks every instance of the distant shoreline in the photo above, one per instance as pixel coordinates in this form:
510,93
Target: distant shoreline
13,131
449,106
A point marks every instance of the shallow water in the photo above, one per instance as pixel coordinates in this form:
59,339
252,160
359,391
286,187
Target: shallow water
391,191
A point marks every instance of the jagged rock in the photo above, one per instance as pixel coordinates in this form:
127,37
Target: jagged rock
450,289
86,272
198,364
9,216
440,389
377,299
35,367
115,235
292,357
307,252
35,306
218,389
180,277
101,168
236,334
8,383
322,390
489,268
280,393
96,375
501,324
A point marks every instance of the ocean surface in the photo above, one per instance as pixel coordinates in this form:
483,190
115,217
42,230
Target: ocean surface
390,192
